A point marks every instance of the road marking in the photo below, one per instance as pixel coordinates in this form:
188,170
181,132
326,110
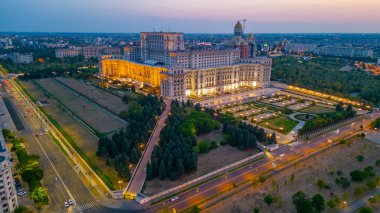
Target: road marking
43,150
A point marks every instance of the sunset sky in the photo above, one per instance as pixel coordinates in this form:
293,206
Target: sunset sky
190,16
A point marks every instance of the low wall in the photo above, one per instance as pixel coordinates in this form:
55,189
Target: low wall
189,183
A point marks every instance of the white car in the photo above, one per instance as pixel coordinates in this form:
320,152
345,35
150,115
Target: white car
71,202
174,198
66,204
21,193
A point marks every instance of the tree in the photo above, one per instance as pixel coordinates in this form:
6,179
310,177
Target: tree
126,99
268,199
256,210
193,209
180,168
318,202
321,183
357,175
365,210
349,108
339,107
162,171
302,203
273,139
134,156
344,182
307,116
359,158
124,172
149,172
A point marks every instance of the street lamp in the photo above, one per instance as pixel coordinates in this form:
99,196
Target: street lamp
120,182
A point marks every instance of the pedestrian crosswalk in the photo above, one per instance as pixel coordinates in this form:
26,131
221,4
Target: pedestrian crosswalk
77,208
83,207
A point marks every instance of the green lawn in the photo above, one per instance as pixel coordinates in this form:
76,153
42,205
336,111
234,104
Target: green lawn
317,110
282,124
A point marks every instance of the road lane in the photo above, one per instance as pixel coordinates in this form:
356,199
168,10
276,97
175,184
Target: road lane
287,153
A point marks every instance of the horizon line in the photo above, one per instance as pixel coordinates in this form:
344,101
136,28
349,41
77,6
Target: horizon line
193,32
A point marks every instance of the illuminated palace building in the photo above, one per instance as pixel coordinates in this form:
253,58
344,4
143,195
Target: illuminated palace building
209,76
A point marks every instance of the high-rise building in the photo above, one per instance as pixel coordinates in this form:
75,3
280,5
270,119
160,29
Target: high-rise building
92,51
18,58
8,196
297,47
132,53
341,51
67,52
112,50
157,45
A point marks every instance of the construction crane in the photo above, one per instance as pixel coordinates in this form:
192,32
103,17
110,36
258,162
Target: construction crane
243,20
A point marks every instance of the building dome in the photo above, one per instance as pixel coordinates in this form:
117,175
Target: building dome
238,31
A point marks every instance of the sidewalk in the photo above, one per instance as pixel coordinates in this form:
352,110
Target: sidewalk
138,177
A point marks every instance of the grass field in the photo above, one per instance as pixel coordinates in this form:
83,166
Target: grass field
96,118
282,124
317,110
87,142
103,98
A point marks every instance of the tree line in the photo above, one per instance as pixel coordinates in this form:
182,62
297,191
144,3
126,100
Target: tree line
177,153
122,148
30,169
322,74
243,135
324,120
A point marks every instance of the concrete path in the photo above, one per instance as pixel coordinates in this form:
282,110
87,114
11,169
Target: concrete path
360,203
138,177
300,124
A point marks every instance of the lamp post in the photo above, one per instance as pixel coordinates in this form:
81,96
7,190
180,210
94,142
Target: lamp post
120,182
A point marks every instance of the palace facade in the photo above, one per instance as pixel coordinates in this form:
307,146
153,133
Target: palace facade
196,74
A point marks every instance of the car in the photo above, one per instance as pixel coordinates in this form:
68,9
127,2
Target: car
66,204
21,193
174,198
71,202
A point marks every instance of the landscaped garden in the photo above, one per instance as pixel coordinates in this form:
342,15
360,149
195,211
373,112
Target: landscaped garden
282,124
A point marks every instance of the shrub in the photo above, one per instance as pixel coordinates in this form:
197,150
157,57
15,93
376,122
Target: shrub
365,210
360,158
359,191
333,202
321,183
369,172
371,184
357,175
268,199
225,140
344,182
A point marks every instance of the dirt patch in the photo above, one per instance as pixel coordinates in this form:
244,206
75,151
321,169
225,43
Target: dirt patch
215,135
207,162
93,116
306,174
103,98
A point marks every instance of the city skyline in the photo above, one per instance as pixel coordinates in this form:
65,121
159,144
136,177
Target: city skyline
286,16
